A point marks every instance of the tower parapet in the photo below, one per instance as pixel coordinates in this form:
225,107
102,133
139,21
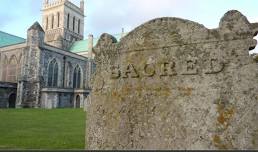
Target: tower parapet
74,7
54,3
48,3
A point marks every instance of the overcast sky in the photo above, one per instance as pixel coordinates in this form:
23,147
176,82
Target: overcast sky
111,16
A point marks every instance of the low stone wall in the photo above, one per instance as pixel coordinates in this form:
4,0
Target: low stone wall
6,90
63,98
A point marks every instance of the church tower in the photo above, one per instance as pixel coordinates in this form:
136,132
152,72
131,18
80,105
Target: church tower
63,22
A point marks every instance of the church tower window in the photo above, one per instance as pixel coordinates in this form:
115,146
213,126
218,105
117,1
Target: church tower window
47,23
53,19
58,19
53,74
79,26
68,20
73,23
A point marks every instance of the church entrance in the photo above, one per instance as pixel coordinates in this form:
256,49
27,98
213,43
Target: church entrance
12,100
78,101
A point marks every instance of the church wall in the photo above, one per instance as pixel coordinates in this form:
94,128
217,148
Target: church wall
63,95
30,84
6,90
63,60
14,55
56,99
50,100
9,53
47,57
65,100
4,96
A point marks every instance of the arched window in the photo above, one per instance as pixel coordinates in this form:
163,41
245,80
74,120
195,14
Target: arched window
58,19
46,22
53,73
73,23
79,26
77,77
68,20
53,19
20,63
4,72
12,69
69,75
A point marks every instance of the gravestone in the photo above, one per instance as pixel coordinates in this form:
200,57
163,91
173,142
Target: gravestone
174,84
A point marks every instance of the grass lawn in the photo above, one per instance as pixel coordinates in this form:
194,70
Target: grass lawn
42,129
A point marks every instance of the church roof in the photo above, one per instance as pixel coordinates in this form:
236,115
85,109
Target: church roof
36,26
8,39
82,46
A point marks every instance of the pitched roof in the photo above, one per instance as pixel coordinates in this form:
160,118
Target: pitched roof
82,46
36,26
8,39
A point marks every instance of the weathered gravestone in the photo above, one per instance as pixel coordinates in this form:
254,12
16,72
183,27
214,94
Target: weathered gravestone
174,84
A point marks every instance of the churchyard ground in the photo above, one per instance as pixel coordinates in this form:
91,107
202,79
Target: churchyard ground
42,129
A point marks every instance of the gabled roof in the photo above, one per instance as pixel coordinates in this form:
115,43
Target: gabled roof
36,26
8,39
82,46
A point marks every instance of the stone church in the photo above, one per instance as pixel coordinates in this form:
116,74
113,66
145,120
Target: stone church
52,67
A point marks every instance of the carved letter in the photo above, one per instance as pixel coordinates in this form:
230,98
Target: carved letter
115,72
168,69
130,69
191,68
149,70
215,66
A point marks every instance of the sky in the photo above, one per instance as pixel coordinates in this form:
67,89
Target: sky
110,16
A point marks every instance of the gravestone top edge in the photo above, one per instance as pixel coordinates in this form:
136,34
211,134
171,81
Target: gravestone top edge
233,26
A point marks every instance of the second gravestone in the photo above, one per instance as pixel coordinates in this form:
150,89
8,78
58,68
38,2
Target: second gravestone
174,84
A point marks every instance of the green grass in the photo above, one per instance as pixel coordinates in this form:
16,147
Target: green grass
42,129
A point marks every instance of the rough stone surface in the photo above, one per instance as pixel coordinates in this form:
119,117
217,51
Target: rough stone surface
174,84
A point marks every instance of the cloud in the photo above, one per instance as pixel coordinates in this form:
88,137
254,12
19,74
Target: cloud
111,15
5,19
17,17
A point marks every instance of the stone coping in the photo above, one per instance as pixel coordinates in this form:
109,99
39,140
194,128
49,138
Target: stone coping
8,85
66,90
